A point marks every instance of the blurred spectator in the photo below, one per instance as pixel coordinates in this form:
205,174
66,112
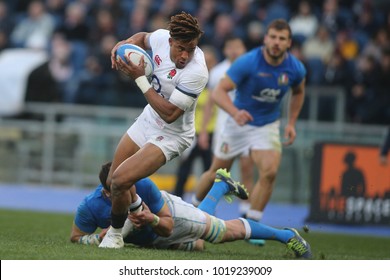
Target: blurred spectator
94,87
74,26
114,6
366,70
34,30
242,15
223,28
4,42
276,9
318,51
170,7
358,98
380,40
206,15
321,46
99,85
360,93
384,149
6,24
367,23
330,16
61,68
104,24
346,45
337,71
42,87
56,8
254,35
137,21
304,24
158,21
370,98
379,108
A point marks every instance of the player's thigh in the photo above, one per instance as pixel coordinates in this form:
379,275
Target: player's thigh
246,165
125,149
218,163
266,161
143,163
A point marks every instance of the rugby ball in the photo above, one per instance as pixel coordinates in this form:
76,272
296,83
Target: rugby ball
134,54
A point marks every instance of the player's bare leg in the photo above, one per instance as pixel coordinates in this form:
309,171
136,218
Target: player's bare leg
267,163
207,179
247,172
140,165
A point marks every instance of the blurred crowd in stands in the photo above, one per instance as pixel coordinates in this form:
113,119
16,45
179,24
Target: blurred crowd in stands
342,43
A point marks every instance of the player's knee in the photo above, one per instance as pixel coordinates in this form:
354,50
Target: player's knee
270,175
217,230
211,174
119,183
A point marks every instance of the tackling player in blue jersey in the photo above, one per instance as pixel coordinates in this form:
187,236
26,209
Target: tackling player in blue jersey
168,222
261,77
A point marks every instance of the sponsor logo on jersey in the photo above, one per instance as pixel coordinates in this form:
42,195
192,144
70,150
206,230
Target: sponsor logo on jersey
171,74
267,95
159,138
157,59
264,74
283,79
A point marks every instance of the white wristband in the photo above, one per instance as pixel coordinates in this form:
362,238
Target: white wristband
92,239
143,83
156,221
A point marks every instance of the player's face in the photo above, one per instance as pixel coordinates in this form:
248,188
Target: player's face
276,43
234,49
182,52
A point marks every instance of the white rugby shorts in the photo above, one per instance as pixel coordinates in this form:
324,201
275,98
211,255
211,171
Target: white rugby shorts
235,140
172,144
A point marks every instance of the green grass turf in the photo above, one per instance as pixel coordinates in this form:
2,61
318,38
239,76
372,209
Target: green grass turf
45,236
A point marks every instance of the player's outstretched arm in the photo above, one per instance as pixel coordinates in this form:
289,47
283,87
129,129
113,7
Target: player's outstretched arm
221,97
162,222
296,103
78,236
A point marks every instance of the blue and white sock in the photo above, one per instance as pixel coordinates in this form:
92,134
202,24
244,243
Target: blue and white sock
257,230
209,203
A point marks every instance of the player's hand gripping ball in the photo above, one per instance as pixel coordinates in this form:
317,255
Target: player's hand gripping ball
134,54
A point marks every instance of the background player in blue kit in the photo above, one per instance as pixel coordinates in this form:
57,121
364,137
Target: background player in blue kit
261,77
169,222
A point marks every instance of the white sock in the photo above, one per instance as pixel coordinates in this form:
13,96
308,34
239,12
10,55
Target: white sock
115,230
136,206
195,201
254,215
244,207
127,228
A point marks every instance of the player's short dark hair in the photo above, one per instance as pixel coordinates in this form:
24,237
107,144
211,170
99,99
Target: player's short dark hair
280,24
230,38
103,175
184,27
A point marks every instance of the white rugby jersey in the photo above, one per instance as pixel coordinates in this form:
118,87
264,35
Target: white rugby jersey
190,81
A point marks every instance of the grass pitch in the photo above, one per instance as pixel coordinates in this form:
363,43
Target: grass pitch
28,235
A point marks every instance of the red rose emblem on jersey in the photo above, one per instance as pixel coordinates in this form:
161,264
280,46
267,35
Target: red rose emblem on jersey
171,74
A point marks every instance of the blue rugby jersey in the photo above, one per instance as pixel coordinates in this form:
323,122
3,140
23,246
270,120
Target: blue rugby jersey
95,211
261,87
